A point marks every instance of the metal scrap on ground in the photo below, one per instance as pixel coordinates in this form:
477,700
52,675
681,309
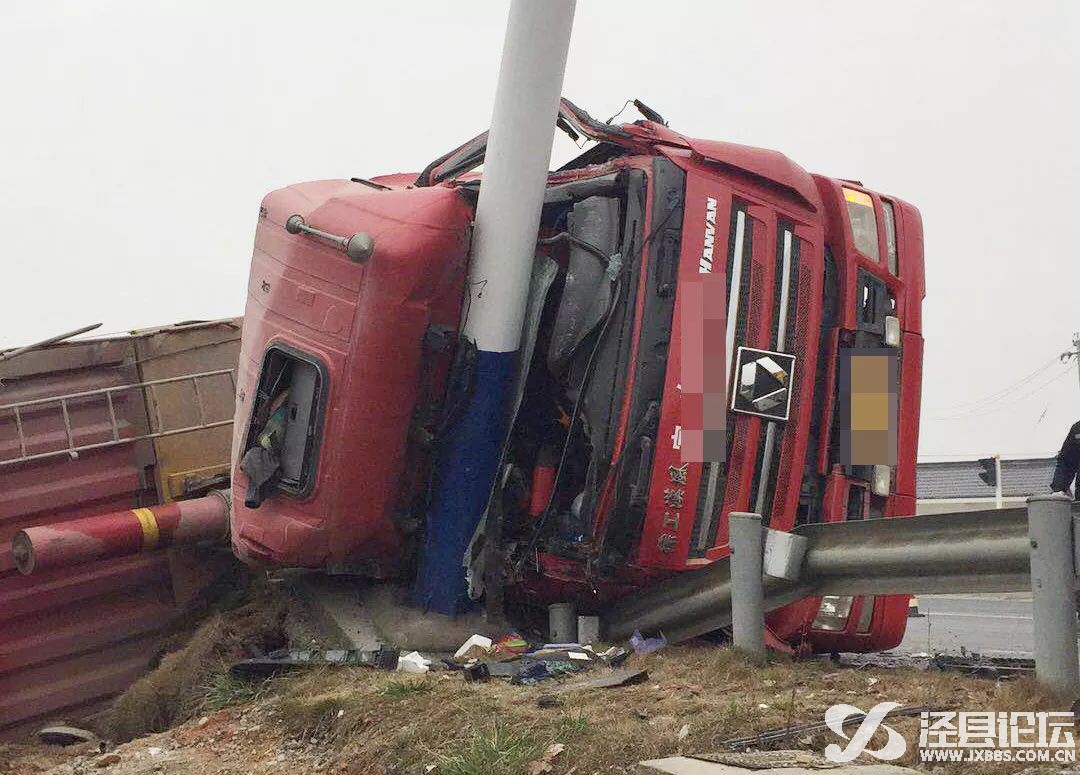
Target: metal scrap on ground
784,733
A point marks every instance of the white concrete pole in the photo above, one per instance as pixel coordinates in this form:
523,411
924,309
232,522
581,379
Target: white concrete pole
500,268
515,170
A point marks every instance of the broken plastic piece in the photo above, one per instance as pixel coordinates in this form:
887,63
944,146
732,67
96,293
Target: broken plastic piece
620,656
509,646
477,672
413,662
621,677
475,647
642,645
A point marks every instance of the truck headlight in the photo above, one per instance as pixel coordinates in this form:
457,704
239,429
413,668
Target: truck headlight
833,613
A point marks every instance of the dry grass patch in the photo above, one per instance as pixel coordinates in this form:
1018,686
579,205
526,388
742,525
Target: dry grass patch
194,678
380,722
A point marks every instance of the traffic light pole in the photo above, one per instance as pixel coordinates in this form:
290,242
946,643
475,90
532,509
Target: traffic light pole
992,476
1076,350
997,481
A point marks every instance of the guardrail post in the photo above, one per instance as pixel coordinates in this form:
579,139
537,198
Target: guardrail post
747,586
1050,530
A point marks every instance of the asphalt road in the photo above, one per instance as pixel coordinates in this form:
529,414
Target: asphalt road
988,625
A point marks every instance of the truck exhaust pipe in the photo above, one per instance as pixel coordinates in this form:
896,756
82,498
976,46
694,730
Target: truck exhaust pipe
122,533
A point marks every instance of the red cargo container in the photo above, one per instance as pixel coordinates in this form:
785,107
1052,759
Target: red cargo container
72,637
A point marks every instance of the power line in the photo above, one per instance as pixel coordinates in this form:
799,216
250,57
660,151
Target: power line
993,397
983,411
975,455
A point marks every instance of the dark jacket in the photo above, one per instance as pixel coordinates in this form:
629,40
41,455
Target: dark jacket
1068,461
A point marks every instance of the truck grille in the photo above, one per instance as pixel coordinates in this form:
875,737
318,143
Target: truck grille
719,489
711,492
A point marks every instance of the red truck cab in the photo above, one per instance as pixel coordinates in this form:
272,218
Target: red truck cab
594,499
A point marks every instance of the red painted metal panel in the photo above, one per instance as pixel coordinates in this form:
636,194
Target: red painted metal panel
86,625
40,691
31,595
348,316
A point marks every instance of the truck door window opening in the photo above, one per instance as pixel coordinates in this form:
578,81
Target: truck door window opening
287,415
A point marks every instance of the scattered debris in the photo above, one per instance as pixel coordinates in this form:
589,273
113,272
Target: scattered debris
618,677
986,667
107,760
543,764
63,735
355,719
477,672
684,732
615,656
475,647
413,662
284,660
646,645
509,646
996,668
535,670
784,733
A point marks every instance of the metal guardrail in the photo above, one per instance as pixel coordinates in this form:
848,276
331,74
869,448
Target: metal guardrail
149,388
1003,550
977,551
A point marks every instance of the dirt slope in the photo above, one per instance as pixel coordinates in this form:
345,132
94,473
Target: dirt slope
356,720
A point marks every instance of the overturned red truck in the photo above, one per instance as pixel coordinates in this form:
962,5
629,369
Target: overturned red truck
352,370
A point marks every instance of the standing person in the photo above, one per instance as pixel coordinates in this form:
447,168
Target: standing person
1068,463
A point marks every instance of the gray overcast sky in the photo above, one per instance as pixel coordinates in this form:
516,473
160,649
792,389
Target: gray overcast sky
139,137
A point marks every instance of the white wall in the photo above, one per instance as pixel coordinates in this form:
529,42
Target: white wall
944,505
